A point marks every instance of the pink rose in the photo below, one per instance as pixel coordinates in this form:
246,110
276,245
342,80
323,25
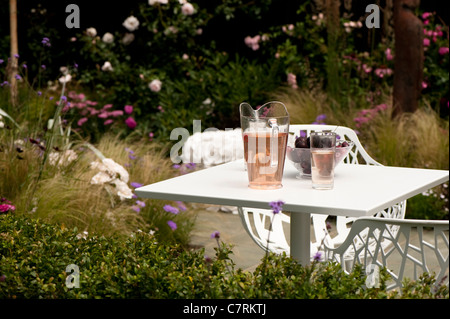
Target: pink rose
130,122
155,85
128,109
187,9
426,42
443,50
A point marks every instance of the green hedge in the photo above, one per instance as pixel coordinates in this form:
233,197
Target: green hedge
34,257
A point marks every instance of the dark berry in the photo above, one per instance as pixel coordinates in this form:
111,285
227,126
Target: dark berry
301,142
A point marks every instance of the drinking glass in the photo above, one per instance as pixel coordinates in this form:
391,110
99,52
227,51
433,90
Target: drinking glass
323,149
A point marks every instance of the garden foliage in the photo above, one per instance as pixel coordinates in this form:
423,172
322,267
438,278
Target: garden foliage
35,256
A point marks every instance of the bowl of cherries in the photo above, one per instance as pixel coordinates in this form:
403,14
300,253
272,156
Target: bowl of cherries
299,154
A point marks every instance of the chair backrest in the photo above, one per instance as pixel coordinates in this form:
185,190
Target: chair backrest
419,246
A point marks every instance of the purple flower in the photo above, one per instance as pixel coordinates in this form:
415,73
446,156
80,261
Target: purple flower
317,256
1,61
140,203
181,205
136,185
4,83
215,234
172,225
171,209
191,165
277,206
46,42
43,67
18,77
136,208
321,117
16,56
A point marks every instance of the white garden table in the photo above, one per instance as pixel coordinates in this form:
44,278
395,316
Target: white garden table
359,190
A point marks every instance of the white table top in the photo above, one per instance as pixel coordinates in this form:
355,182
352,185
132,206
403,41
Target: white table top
359,190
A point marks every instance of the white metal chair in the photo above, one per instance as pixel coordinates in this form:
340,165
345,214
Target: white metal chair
258,221
417,246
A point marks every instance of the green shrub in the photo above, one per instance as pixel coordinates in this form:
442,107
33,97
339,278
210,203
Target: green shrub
34,257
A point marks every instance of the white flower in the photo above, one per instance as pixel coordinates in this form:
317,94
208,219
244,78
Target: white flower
115,168
108,38
92,32
128,38
107,66
2,125
153,2
64,70
63,159
155,85
101,178
82,235
187,9
123,191
131,23
111,172
65,78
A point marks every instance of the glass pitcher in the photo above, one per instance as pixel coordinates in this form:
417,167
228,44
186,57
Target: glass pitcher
265,134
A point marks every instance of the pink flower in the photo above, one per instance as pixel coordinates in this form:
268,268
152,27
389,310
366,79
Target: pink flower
82,121
4,208
443,50
107,106
425,15
426,42
103,115
389,56
381,72
116,113
187,9
252,42
366,68
130,122
128,109
107,122
424,85
292,80
155,85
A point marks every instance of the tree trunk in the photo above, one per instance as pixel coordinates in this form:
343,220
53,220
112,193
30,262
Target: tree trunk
408,63
14,51
332,15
